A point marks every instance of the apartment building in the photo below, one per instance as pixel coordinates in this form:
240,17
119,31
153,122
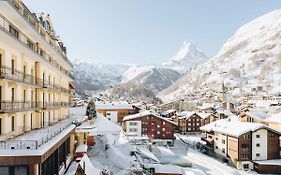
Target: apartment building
115,111
189,122
34,93
246,145
149,124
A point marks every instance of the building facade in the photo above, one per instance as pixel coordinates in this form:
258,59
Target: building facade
149,124
34,88
115,111
244,144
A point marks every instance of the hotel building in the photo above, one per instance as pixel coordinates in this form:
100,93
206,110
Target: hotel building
35,85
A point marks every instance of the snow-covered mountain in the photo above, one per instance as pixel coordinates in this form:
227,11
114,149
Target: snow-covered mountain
155,78
252,56
187,56
92,76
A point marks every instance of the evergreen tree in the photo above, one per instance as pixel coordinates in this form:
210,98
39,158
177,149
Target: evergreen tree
91,110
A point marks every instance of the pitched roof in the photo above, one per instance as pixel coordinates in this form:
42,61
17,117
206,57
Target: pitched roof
146,113
276,118
259,115
113,105
232,128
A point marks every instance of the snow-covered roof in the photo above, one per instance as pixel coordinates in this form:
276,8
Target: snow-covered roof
168,112
113,105
232,128
167,169
206,106
185,114
269,162
203,115
81,148
146,113
188,114
103,125
89,167
276,118
257,114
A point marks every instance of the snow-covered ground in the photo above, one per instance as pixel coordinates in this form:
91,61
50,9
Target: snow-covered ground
181,154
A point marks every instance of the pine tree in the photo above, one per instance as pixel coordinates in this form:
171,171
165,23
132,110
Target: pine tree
91,110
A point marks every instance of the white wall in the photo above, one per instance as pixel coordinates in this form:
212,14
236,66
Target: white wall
218,142
134,128
262,149
112,116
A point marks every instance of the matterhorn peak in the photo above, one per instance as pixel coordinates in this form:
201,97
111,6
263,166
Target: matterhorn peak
187,56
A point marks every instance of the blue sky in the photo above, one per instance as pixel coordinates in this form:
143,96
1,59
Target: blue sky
146,31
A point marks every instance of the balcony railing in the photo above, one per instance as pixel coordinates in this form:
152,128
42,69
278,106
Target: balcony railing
18,76
14,106
34,139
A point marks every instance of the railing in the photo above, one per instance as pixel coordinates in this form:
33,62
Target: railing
13,106
4,25
35,139
16,75
33,21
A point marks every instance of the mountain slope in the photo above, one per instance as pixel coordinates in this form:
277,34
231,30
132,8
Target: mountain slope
91,76
187,56
155,78
251,56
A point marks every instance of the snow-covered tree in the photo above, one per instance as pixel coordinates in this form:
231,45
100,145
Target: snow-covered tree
91,110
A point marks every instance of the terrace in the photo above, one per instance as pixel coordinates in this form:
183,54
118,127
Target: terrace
38,138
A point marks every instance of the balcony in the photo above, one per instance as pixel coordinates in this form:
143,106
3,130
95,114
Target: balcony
15,106
18,76
35,139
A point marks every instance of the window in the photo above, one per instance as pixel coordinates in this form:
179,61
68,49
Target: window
258,155
223,141
13,31
163,129
158,126
245,146
217,147
246,166
158,132
13,123
13,66
30,44
133,124
133,130
258,145
257,136
223,150
13,94
163,122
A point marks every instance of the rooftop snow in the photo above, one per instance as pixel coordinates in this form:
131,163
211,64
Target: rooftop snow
146,113
113,105
232,128
260,115
276,118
